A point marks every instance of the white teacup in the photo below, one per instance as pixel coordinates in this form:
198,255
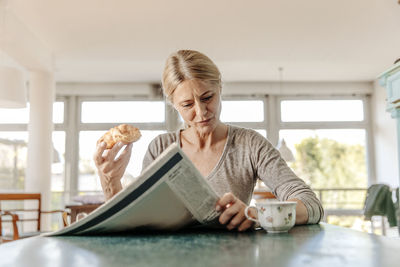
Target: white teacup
274,216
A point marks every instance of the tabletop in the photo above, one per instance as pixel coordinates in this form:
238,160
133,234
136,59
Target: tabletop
313,245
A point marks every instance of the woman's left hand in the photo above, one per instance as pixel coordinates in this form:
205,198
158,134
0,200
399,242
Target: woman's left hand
233,213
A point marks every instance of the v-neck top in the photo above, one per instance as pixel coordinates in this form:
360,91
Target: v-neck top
248,156
221,158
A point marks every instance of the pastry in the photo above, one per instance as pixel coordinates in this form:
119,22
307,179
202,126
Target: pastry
122,133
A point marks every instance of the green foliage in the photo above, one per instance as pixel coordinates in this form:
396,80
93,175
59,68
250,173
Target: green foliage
326,163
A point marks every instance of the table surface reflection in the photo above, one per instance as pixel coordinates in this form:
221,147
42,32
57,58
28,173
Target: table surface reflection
314,245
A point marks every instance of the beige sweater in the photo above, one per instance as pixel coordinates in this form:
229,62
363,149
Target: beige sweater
248,156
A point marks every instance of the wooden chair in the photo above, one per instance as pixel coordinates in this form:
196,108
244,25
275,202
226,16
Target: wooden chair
16,216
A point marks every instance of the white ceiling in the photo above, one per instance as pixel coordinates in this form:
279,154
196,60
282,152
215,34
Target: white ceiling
129,40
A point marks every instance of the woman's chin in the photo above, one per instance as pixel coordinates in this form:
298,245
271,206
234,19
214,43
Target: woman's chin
205,129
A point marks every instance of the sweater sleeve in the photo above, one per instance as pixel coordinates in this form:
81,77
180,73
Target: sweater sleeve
156,147
151,154
279,177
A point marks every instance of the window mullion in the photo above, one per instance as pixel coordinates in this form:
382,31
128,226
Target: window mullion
370,151
72,147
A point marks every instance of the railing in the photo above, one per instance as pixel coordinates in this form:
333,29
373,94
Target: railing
342,201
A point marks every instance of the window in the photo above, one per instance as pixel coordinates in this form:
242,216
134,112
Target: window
104,114
88,179
321,110
247,112
242,111
330,140
322,156
14,141
58,166
13,156
123,111
324,135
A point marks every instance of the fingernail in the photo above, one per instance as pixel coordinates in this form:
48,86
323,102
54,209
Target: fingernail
218,208
120,144
103,144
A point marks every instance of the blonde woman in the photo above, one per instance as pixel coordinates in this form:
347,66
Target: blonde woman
229,157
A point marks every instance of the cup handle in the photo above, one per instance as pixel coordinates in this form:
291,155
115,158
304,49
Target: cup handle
246,211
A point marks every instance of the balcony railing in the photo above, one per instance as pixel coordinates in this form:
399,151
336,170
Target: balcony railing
342,201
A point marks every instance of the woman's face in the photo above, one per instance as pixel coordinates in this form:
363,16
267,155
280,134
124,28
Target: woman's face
199,104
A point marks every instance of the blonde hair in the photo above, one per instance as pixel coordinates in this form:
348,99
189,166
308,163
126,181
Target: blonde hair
188,65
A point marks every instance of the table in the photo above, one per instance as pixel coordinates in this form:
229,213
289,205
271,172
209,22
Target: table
81,208
316,245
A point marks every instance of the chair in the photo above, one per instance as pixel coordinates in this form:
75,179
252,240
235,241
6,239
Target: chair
379,203
16,216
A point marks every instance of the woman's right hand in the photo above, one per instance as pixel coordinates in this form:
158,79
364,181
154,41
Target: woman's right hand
111,169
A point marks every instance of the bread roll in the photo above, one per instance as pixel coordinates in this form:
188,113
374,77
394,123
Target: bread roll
122,133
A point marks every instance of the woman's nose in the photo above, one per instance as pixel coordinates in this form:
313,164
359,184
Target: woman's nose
201,109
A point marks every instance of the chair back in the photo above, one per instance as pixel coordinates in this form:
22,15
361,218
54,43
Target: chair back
17,201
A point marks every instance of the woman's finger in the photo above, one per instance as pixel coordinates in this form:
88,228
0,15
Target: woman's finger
229,213
112,153
246,224
98,155
126,153
236,221
226,199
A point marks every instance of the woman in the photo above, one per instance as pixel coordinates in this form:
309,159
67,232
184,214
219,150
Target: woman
229,157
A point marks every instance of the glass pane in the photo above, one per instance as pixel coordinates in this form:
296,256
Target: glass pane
58,165
21,115
322,110
88,179
242,111
262,132
13,157
329,158
123,111
58,112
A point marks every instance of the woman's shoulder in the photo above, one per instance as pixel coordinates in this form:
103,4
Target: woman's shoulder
248,137
162,141
169,136
247,133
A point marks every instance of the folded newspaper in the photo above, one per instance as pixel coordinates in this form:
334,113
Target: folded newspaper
169,195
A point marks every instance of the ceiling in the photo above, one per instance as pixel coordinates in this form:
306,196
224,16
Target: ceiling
129,40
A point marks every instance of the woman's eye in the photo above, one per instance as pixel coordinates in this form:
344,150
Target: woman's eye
207,98
186,105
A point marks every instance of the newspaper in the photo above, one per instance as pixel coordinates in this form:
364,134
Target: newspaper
170,194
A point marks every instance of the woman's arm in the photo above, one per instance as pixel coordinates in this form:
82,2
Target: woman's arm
301,212
283,182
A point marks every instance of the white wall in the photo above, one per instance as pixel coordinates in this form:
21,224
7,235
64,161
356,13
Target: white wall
386,157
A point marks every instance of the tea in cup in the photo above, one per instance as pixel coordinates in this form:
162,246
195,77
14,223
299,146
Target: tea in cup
274,216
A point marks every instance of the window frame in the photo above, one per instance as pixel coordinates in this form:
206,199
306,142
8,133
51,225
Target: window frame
74,111
365,124
272,123
262,125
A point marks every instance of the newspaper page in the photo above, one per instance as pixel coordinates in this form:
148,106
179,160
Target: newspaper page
170,194
197,195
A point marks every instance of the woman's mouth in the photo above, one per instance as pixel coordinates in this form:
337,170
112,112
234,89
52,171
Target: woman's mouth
204,121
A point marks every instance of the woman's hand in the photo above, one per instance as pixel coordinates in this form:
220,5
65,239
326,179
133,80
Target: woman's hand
111,169
233,213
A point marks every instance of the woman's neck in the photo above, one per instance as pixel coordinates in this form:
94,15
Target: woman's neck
204,141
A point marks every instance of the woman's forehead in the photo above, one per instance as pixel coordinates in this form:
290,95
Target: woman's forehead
191,88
